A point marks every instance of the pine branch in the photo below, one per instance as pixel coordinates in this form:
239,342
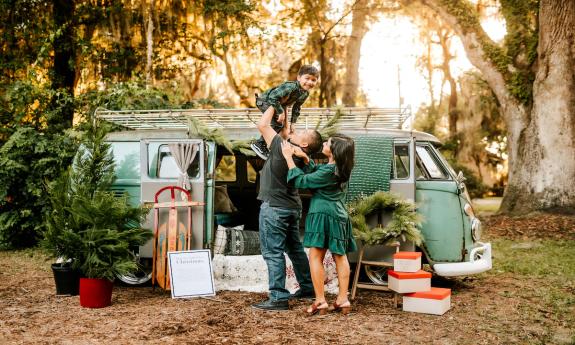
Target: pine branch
197,128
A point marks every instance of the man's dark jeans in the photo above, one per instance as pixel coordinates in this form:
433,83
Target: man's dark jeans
279,233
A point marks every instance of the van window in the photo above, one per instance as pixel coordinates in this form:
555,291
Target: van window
400,168
431,166
226,169
127,159
167,167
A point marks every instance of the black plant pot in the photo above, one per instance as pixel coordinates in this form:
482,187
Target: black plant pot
67,279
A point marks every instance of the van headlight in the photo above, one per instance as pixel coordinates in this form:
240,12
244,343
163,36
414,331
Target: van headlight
476,229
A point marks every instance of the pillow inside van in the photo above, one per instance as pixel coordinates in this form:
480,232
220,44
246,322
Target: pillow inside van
222,201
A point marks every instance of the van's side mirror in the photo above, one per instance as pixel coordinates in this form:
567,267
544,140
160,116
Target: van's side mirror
460,179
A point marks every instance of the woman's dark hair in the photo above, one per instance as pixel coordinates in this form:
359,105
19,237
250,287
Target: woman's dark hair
343,150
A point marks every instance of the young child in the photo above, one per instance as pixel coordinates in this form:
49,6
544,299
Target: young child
289,93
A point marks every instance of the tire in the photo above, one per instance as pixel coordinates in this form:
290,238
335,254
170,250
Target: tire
377,274
142,277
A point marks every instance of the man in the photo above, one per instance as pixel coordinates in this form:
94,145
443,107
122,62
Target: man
280,214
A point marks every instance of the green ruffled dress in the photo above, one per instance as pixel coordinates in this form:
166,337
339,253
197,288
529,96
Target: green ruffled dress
327,224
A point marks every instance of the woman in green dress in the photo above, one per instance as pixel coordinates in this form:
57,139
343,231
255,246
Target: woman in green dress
327,225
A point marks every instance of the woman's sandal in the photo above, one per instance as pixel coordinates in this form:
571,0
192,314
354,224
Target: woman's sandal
344,308
315,308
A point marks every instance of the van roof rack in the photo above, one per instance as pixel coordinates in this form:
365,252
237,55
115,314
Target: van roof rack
352,118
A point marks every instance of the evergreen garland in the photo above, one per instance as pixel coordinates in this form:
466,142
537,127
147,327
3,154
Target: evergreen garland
197,128
403,225
243,147
332,125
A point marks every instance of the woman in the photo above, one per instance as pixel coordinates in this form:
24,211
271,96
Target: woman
327,225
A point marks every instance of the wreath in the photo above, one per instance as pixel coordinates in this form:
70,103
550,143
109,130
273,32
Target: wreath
403,225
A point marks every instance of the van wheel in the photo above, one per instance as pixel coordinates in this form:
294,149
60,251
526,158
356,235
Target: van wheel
377,274
141,277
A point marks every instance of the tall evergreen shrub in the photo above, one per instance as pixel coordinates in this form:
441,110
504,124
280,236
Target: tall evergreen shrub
88,224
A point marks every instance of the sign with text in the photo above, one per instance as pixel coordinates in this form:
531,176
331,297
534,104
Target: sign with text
191,273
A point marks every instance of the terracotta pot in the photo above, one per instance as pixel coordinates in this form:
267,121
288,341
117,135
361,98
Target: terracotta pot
67,279
95,293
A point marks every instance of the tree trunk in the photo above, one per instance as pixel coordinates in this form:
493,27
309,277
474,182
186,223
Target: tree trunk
541,138
149,43
544,171
327,87
444,38
63,75
353,52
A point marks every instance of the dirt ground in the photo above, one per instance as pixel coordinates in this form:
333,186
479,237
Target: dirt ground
492,308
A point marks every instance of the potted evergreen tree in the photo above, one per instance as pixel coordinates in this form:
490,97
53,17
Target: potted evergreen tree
90,226
66,277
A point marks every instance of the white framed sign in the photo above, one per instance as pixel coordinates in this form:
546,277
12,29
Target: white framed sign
191,273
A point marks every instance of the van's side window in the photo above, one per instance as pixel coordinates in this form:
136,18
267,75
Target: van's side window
127,159
226,169
167,167
400,168
432,168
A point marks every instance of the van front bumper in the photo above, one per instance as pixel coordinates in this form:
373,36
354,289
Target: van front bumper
479,261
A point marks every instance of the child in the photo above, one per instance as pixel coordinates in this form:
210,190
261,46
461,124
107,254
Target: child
278,98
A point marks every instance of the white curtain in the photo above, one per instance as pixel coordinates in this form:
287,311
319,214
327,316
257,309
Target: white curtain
184,155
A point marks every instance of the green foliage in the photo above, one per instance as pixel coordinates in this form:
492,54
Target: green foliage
427,120
520,47
128,95
27,159
229,21
22,103
243,147
87,222
23,30
464,12
197,128
403,224
473,183
331,127
134,95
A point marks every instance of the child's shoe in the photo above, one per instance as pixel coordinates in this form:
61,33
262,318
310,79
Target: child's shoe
260,149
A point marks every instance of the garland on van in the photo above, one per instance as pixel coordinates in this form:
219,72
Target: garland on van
403,225
332,126
197,127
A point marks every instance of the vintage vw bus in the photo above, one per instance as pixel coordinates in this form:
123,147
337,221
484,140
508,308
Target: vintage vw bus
145,164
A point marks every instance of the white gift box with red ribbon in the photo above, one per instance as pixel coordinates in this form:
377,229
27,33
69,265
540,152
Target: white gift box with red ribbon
436,301
407,261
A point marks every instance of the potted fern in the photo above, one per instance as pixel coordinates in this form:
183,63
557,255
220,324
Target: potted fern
91,227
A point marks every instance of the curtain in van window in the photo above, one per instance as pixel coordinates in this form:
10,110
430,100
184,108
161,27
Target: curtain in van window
373,159
184,154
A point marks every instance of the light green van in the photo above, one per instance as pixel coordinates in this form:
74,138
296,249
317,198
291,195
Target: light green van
144,164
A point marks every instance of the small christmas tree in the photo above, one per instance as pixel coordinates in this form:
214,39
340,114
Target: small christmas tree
90,225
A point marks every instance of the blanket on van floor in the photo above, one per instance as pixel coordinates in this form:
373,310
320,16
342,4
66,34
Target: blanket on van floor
250,273
373,159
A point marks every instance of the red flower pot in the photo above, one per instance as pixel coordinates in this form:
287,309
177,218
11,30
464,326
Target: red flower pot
95,293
